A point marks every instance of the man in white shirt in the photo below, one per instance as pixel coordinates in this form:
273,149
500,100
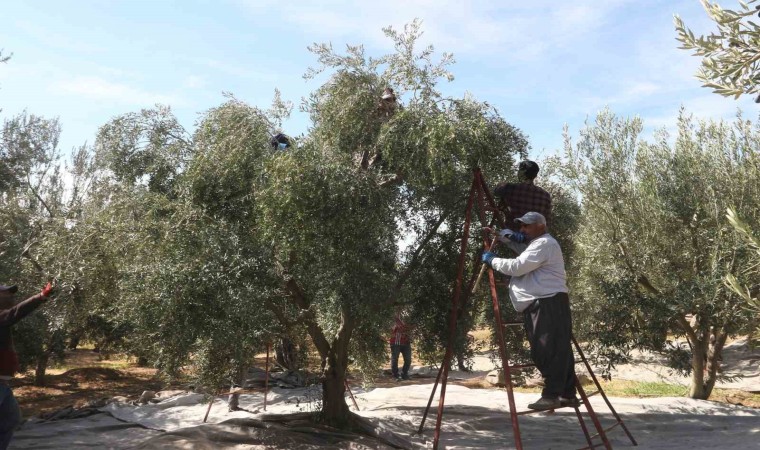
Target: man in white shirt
538,289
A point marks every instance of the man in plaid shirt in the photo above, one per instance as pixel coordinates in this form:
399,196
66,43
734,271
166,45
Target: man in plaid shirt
400,341
524,196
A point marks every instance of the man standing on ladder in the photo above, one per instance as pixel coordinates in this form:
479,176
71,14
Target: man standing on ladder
524,196
538,289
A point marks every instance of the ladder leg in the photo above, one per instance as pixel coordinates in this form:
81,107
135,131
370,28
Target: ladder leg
430,401
441,400
592,414
483,190
454,314
601,391
584,428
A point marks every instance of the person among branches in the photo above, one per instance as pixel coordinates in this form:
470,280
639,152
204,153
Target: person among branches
280,142
10,314
401,343
524,196
538,289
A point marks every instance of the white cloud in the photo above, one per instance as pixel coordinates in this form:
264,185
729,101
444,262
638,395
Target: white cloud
193,82
57,40
522,31
237,70
97,88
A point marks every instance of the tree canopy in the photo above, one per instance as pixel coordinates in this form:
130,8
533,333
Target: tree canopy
194,249
654,244
731,55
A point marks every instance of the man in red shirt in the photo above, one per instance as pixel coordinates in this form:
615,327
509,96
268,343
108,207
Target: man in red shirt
400,343
524,196
10,313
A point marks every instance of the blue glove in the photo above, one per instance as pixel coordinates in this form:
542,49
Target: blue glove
488,257
518,237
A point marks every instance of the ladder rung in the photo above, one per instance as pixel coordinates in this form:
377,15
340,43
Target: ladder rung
531,411
591,394
606,429
512,322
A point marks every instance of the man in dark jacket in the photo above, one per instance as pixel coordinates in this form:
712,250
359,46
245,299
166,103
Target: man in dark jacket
10,313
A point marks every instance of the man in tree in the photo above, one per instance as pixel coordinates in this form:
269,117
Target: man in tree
279,142
524,196
10,416
400,343
538,289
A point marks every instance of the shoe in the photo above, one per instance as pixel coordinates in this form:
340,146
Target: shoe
574,402
545,403
405,377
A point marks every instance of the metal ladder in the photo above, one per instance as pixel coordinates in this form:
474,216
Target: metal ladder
479,192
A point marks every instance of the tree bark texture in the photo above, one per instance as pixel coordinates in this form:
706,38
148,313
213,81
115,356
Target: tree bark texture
41,368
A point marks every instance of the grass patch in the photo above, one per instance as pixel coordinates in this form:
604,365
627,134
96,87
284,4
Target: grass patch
651,389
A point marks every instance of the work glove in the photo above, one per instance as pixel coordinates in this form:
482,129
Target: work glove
47,290
514,236
518,237
488,258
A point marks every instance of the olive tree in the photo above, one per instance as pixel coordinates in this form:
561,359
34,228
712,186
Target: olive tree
188,272
33,223
331,207
224,241
744,281
654,244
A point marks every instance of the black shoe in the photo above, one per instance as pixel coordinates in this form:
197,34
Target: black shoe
405,377
573,402
544,403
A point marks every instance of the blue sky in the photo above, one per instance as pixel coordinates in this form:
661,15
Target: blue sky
543,64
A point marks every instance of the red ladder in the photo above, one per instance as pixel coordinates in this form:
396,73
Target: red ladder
479,192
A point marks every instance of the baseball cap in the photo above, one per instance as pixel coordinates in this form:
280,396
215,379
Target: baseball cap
531,218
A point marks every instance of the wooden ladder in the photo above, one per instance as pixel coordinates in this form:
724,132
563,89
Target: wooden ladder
479,192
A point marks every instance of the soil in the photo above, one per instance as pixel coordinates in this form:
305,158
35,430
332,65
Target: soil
86,377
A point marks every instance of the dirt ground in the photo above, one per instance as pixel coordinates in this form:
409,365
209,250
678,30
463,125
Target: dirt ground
85,378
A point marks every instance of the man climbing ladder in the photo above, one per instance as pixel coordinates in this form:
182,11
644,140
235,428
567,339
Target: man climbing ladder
538,289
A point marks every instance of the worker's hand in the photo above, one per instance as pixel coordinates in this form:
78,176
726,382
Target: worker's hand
488,258
48,290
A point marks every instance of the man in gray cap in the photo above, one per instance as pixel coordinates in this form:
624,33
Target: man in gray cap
538,289
10,314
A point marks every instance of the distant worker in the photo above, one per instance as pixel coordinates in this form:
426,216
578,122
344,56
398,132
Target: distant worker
279,142
10,314
524,196
538,289
401,343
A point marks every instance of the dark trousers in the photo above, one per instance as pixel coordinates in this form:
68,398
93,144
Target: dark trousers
10,416
549,328
406,353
